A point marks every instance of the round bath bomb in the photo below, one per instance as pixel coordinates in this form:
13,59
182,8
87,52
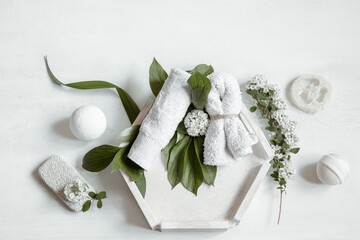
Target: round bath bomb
332,169
88,122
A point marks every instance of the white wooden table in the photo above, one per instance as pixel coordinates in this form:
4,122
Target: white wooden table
116,41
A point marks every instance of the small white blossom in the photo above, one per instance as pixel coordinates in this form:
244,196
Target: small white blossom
280,104
280,117
290,126
291,139
196,123
287,172
276,148
76,191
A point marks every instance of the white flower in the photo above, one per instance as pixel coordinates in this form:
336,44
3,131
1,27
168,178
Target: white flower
276,148
287,172
196,123
290,126
291,139
280,103
279,155
280,117
76,191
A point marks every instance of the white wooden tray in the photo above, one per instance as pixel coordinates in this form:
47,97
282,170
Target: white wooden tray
216,207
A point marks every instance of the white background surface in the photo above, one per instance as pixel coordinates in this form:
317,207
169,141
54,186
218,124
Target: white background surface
116,41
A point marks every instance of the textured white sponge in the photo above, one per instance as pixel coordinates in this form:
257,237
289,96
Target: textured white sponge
88,122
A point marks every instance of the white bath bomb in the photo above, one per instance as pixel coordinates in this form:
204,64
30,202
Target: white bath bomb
332,169
88,122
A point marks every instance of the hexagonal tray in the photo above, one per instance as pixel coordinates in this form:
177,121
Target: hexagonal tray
216,207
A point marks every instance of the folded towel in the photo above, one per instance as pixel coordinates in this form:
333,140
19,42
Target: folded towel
226,137
161,122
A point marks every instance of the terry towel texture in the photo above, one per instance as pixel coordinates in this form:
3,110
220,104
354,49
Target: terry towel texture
162,120
226,138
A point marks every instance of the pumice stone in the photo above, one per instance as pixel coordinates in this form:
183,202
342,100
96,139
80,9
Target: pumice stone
310,93
87,122
332,169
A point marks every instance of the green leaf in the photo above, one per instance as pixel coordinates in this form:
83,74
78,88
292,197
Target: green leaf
251,92
179,136
279,137
101,195
176,161
209,172
295,150
201,86
131,109
157,77
118,160
285,145
253,109
122,161
192,175
262,103
282,181
261,96
99,204
203,69
99,158
92,194
86,205
141,184
181,128
129,134
169,147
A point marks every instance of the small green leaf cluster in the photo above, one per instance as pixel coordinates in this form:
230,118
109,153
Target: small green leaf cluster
94,196
100,158
265,103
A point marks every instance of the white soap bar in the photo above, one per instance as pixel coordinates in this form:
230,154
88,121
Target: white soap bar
57,174
88,122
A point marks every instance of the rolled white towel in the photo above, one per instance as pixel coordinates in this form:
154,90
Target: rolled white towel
161,122
226,137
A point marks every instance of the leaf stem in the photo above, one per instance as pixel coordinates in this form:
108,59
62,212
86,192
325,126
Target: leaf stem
280,207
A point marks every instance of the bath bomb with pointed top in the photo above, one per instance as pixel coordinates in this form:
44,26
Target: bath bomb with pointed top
88,122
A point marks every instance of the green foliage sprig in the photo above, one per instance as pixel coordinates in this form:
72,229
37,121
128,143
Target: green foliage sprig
94,197
282,130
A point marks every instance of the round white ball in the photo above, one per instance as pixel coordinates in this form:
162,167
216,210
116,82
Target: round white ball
332,169
88,122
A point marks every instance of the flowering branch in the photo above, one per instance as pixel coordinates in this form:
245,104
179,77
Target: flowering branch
282,136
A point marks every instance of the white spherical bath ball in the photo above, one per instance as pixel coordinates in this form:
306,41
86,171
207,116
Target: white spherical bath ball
88,122
332,169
